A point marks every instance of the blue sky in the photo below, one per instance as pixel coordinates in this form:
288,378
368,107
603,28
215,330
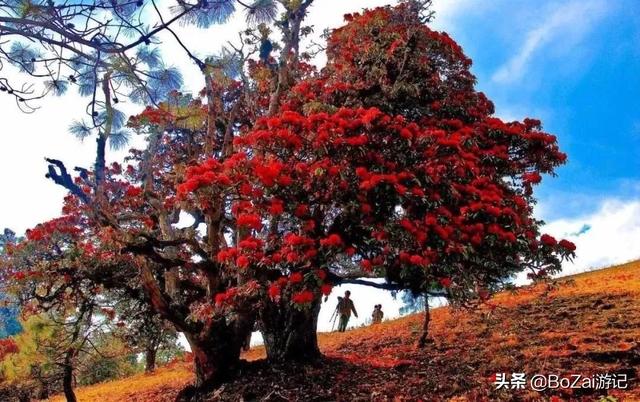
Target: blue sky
575,65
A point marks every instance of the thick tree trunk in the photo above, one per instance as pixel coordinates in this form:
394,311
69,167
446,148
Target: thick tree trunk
215,361
150,359
290,334
216,355
67,378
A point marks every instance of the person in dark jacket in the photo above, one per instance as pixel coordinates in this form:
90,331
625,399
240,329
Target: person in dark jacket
344,308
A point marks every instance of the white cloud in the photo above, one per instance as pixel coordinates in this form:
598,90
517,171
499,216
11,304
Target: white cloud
613,236
448,11
565,27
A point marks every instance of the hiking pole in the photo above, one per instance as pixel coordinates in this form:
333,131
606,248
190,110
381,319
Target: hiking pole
332,315
333,318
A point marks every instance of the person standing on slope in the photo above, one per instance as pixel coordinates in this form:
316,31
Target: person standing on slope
377,315
344,308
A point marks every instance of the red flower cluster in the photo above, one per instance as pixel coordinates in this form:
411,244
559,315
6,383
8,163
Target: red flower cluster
296,277
227,254
567,245
333,240
205,174
251,243
242,261
294,240
413,259
133,191
276,207
64,225
305,296
151,115
532,177
446,282
321,274
548,240
7,346
326,289
225,297
274,291
252,221
19,275
269,173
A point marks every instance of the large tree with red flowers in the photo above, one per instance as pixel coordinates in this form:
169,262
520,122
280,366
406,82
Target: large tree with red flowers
386,163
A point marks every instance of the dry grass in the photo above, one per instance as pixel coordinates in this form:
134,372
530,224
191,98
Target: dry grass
589,324
161,386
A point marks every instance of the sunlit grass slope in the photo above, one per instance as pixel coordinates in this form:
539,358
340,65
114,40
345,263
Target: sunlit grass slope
588,324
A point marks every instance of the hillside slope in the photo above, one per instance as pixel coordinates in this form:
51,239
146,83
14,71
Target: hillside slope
589,324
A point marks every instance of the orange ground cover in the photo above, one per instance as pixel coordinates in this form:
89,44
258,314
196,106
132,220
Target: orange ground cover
588,324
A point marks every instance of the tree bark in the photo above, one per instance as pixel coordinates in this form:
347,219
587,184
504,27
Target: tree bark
290,333
150,359
67,377
424,338
215,361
